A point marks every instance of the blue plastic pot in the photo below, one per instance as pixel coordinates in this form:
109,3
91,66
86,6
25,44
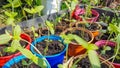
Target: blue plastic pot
53,60
16,60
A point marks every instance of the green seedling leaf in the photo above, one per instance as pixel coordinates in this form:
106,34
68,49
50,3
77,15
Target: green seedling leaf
9,49
67,39
94,60
39,61
11,14
10,21
16,44
92,47
17,32
51,27
5,38
35,59
34,10
39,8
80,40
13,3
29,10
24,62
29,2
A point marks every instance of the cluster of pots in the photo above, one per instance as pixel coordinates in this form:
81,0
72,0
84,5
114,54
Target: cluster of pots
73,48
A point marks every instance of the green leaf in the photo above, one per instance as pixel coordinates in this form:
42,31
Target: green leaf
5,38
51,27
32,57
29,10
10,21
38,8
9,49
11,14
24,62
29,2
17,32
80,40
94,60
13,3
16,44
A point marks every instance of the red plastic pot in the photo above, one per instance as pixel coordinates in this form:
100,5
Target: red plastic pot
4,59
78,11
109,43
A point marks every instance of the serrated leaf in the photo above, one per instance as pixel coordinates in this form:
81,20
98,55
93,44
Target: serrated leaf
94,60
5,38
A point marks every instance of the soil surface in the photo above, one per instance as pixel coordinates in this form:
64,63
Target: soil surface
54,47
3,53
81,34
90,26
21,64
108,54
85,63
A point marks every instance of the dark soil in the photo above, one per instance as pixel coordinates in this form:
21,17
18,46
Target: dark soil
21,65
81,34
90,26
85,63
105,36
108,54
2,53
54,47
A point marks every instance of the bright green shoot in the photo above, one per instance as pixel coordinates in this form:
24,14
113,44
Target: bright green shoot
50,26
92,54
15,45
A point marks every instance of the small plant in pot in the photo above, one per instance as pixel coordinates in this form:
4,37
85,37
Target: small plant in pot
86,13
112,54
52,47
90,51
8,46
74,48
95,28
16,46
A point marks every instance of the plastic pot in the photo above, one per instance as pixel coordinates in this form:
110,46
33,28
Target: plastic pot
16,60
95,32
84,56
101,43
4,59
73,48
55,59
78,11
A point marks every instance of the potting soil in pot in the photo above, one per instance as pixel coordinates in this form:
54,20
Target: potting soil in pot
85,63
108,54
81,34
2,47
26,63
50,47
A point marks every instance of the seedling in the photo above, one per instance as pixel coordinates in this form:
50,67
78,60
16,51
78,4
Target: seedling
15,45
95,63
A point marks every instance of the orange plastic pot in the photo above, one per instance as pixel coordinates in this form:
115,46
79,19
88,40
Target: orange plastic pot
4,59
95,32
74,48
